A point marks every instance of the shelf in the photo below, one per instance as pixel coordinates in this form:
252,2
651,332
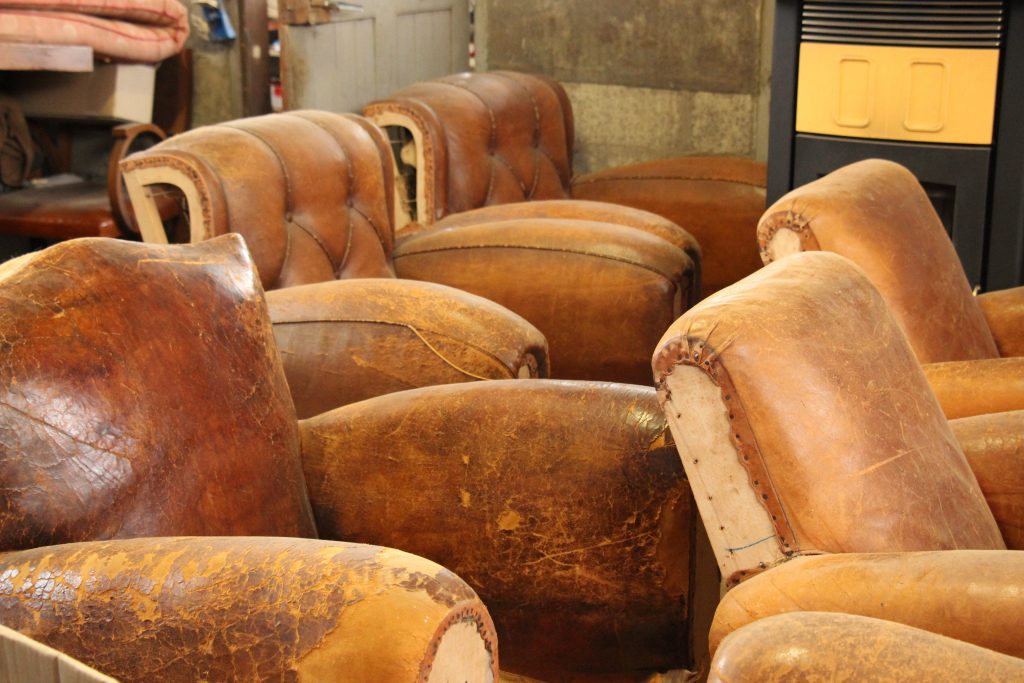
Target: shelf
34,57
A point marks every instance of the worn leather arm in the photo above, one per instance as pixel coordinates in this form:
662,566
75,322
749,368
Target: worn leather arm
235,608
972,595
717,199
347,340
994,446
819,647
562,503
977,387
601,293
1004,312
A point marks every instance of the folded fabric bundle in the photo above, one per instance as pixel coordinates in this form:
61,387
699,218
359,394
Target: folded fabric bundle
121,30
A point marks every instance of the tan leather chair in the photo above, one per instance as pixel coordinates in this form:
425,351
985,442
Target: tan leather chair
564,506
826,474
476,140
876,214
309,193
312,192
143,397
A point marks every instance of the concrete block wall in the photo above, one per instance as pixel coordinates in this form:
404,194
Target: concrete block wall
648,79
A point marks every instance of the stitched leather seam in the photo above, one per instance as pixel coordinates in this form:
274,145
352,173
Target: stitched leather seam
696,352
565,180
415,329
492,150
785,220
588,181
536,130
550,249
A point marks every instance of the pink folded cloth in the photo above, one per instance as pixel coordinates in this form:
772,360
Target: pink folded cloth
121,30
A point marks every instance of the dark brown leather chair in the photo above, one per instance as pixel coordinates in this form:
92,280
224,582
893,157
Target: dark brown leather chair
143,397
476,140
826,474
312,192
876,214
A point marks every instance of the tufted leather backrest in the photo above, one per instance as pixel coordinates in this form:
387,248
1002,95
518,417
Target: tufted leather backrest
311,192
486,138
806,425
876,214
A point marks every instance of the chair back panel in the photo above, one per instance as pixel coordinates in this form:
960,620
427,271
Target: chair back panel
829,413
876,214
141,394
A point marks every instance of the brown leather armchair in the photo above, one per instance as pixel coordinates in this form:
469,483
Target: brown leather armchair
876,214
826,474
143,397
476,140
309,192
312,192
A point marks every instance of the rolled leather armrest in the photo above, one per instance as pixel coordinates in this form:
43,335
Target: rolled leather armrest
976,596
562,503
994,446
348,340
1004,313
601,293
976,387
719,200
819,647
235,608
583,210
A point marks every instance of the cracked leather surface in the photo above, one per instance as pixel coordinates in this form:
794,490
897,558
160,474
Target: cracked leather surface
815,647
142,396
994,446
837,413
222,609
601,293
563,504
972,595
349,340
876,214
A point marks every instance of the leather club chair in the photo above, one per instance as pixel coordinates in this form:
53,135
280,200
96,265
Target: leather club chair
825,472
143,397
313,194
876,214
477,140
564,506
310,193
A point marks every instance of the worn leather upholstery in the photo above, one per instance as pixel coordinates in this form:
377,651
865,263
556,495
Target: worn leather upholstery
311,193
807,427
487,139
343,342
244,609
618,273
600,293
876,214
565,505
143,396
817,647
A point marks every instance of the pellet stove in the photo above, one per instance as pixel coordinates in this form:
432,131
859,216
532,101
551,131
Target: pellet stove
935,86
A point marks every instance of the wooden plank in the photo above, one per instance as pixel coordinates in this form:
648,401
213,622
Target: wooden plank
32,57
